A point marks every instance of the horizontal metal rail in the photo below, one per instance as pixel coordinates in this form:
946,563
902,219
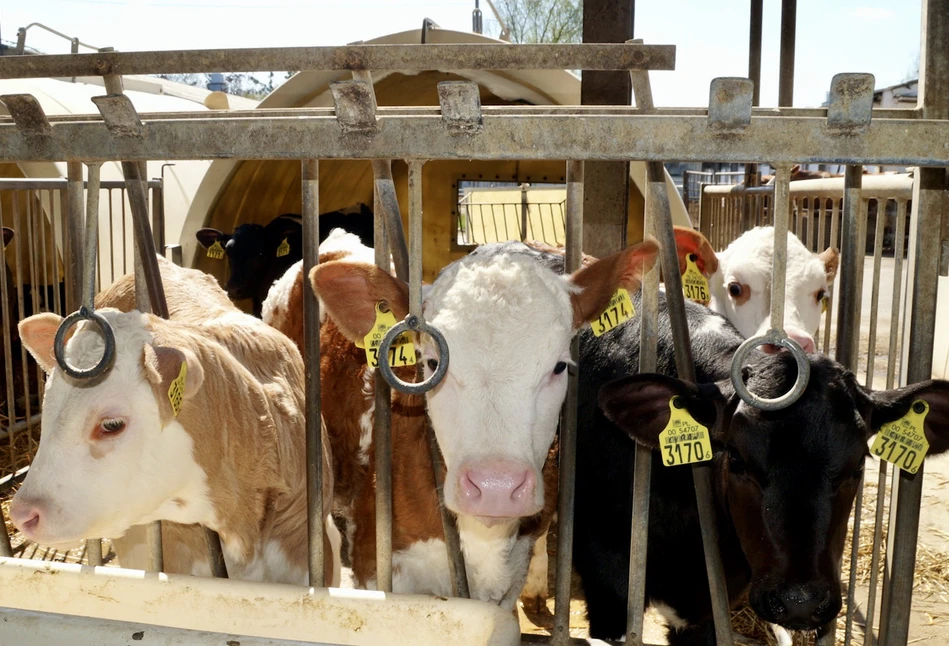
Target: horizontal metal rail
466,56
650,138
49,184
897,186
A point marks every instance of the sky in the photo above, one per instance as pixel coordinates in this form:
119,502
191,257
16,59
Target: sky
876,36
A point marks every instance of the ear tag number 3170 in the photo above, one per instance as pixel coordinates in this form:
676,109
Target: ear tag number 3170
619,310
402,350
694,284
904,442
684,440
216,251
176,391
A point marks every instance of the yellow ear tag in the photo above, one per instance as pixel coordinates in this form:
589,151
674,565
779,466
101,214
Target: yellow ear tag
176,391
694,284
618,310
283,249
684,440
823,304
904,442
216,251
402,350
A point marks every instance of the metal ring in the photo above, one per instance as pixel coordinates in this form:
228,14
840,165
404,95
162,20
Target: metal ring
415,324
771,337
108,354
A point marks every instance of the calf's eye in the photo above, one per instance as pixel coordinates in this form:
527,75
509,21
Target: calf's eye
432,364
112,426
734,289
560,367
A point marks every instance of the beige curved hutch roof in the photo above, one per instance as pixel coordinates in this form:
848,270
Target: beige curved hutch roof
236,192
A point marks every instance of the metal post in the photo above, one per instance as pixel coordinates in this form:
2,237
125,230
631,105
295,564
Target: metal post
72,235
310,170
853,247
386,207
524,211
788,29
89,260
755,20
568,419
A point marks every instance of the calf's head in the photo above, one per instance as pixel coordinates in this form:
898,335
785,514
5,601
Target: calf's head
112,453
508,320
787,478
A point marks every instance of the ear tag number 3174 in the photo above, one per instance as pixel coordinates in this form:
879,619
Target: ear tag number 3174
618,310
904,442
216,251
684,440
176,391
402,350
694,284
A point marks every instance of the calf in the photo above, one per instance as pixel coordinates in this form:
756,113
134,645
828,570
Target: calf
258,255
232,458
784,481
508,319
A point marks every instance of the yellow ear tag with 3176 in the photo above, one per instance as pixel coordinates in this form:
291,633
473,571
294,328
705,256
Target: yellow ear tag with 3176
176,391
904,442
216,251
684,441
402,350
694,284
283,249
619,310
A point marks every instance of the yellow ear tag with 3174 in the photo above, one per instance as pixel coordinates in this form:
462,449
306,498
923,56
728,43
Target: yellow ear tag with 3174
618,310
216,251
823,304
402,350
694,284
684,441
904,442
283,249
176,391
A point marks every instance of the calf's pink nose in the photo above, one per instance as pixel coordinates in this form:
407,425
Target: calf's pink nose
805,340
498,488
25,516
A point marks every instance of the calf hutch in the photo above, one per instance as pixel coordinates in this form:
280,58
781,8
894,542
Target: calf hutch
457,378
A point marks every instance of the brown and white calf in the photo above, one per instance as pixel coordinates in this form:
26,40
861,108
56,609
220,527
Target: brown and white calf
116,455
508,320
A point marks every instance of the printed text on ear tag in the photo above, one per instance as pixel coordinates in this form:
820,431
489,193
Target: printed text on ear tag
684,440
216,251
176,391
283,249
619,310
402,350
694,284
904,442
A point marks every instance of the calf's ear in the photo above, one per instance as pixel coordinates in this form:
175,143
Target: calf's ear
208,236
163,366
690,241
890,405
8,234
600,280
350,291
639,405
831,259
37,333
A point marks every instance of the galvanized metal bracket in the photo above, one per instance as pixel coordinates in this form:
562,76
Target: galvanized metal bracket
355,104
120,116
461,106
27,114
851,103
729,103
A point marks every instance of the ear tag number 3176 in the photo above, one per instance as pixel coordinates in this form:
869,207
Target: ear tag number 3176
216,251
619,310
684,440
694,284
402,350
176,391
904,442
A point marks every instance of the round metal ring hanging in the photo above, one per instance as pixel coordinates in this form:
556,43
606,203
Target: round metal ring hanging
108,354
415,324
772,337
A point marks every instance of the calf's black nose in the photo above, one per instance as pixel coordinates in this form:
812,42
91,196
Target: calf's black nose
798,607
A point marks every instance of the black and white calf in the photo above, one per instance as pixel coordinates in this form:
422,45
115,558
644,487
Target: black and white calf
784,481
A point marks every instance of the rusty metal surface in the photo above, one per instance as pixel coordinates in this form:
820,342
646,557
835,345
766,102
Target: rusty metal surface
729,103
851,102
355,106
27,114
351,57
460,103
120,116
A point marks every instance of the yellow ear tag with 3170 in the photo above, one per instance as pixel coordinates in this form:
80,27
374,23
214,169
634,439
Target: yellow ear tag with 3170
283,249
216,251
694,284
402,350
684,441
904,442
176,391
618,310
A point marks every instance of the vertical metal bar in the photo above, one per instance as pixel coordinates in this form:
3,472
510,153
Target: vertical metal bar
5,547
524,213
755,20
782,208
852,253
158,214
568,419
386,207
788,29
310,169
72,235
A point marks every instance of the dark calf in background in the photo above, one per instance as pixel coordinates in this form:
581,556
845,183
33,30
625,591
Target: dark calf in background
258,255
785,481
